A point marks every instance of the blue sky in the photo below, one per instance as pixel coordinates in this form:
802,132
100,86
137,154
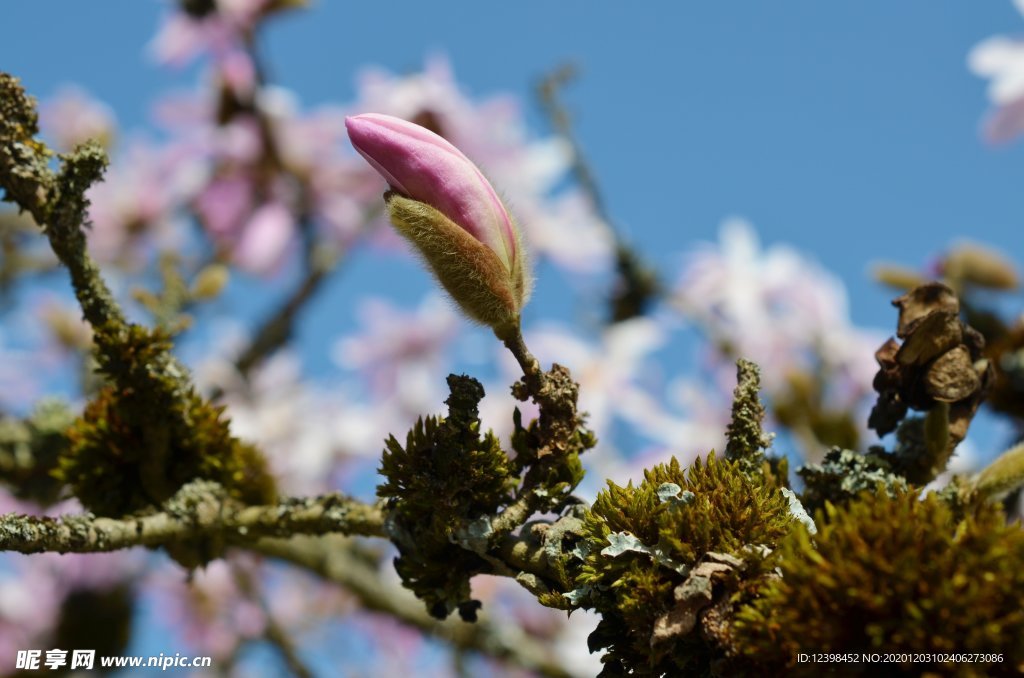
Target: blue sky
847,129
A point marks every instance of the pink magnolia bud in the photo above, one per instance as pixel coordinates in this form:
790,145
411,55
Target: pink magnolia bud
442,203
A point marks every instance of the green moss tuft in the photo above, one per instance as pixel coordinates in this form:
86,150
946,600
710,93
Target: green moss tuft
445,476
643,545
148,432
892,573
30,450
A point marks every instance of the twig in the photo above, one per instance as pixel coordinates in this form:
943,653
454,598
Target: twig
199,508
556,394
55,200
637,284
277,329
530,365
547,90
273,633
329,557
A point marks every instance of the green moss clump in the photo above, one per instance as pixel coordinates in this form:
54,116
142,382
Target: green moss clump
641,544
892,573
147,433
446,476
30,450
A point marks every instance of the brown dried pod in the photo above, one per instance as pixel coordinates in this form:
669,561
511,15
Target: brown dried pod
952,376
923,301
939,361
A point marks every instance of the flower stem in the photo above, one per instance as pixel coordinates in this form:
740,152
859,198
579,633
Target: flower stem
532,374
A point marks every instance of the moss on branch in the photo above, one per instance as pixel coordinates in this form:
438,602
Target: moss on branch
147,432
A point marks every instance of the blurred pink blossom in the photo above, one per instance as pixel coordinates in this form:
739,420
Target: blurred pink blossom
265,240
135,206
224,205
268,172
222,34
29,606
72,117
207,606
338,191
307,431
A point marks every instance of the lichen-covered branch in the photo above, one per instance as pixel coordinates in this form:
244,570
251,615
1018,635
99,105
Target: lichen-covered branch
747,441
147,432
557,437
199,509
55,200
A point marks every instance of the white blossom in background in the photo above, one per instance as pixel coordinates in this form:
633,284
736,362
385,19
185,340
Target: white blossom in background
29,607
610,370
492,133
1001,59
571,644
777,308
688,421
306,430
401,354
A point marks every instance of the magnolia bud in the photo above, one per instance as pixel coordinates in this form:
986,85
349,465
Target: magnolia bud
441,203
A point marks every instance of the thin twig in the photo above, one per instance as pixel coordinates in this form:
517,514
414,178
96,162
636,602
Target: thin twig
274,633
329,557
277,329
548,89
637,283
532,373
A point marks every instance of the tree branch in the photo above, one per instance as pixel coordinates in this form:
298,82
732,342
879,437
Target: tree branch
331,559
56,201
276,330
637,284
274,633
200,508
